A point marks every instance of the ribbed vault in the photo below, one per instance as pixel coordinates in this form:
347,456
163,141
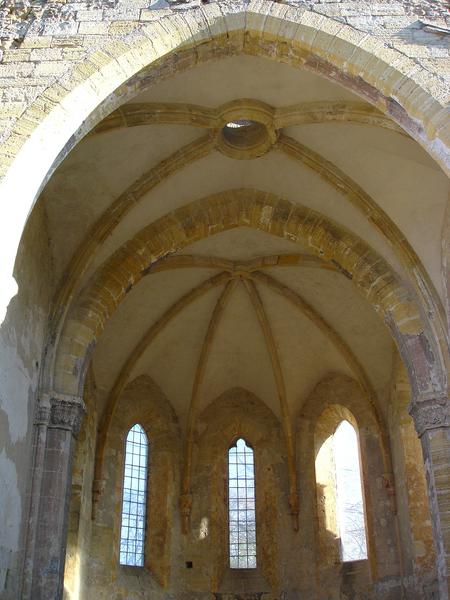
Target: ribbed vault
237,217
234,229
247,274
264,212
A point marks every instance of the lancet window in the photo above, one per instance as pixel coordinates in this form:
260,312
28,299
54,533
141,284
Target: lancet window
350,505
134,498
241,506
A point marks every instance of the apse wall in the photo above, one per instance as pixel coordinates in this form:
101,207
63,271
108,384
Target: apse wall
291,564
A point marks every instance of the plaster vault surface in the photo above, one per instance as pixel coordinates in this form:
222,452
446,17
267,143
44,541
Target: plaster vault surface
240,326
383,161
107,162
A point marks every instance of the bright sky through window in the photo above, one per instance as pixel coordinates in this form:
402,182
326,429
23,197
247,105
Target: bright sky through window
132,534
350,505
241,506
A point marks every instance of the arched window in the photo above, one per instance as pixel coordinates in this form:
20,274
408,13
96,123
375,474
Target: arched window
134,499
241,506
350,505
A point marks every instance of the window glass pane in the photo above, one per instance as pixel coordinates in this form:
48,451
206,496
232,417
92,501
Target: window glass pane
132,533
241,507
350,505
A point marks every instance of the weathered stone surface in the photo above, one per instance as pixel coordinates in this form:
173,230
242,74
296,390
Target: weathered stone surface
64,66
430,413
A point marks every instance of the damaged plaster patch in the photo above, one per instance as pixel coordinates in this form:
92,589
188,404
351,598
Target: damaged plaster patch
11,507
14,392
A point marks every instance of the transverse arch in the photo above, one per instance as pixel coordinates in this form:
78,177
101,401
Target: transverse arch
371,274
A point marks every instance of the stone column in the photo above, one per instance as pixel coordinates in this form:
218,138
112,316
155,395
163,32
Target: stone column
57,424
432,420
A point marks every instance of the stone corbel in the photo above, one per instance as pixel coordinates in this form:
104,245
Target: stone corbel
430,413
60,411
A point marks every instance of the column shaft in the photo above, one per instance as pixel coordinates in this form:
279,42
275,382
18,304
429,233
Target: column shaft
432,420
52,476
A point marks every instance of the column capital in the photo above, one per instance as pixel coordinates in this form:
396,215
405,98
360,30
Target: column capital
430,413
60,411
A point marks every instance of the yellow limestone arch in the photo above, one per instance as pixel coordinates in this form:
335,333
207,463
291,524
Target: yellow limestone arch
58,118
370,273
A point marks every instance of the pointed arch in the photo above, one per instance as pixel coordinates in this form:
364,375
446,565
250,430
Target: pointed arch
48,130
423,350
337,398
241,506
134,498
349,496
340,497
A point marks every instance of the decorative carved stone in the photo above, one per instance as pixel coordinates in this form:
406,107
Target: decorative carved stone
430,413
67,412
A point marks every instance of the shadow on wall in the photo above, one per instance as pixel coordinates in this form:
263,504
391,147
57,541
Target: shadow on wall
425,34
338,580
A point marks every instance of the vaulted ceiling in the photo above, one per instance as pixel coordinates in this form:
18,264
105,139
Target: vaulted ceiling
243,308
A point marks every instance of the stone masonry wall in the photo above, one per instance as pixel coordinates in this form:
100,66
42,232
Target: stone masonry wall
21,342
45,42
291,565
334,399
419,557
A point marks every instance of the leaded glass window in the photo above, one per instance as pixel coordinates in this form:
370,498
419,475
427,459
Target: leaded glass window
134,500
241,506
350,504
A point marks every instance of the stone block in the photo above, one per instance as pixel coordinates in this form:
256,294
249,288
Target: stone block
89,15
93,28
50,68
46,54
65,28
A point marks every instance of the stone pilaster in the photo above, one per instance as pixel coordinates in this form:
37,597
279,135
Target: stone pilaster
57,423
432,420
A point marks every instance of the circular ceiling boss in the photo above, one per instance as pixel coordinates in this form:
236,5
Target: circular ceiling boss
247,130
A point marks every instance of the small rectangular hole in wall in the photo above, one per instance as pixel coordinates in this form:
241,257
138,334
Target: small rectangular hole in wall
189,564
